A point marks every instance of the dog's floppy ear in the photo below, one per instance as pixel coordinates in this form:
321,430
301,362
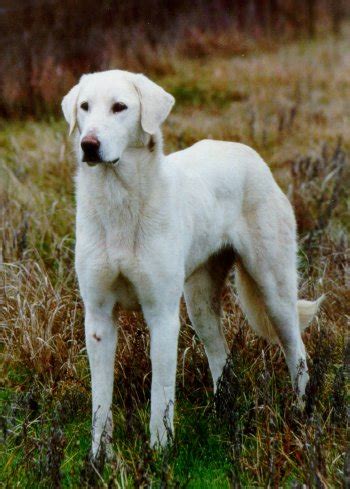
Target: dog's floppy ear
156,103
69,107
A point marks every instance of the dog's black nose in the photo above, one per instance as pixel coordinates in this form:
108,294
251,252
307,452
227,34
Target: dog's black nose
90,146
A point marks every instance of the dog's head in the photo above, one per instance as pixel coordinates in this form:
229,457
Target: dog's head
114,110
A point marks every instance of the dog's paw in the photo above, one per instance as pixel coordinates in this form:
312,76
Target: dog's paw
102,454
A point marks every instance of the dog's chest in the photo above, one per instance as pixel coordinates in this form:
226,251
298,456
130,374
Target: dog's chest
125,268
108,260
118,248
131,268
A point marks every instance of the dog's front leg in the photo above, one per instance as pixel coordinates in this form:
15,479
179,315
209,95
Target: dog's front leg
164,327
101,340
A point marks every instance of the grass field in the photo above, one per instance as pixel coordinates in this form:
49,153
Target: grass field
292,104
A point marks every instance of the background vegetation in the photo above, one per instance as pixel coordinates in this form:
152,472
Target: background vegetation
270,74
47,44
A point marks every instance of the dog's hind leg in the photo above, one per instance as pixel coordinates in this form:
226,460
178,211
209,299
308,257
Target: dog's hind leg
266,278
203,300
271,310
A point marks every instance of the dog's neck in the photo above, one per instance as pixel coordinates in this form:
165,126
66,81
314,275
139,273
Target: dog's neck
129,187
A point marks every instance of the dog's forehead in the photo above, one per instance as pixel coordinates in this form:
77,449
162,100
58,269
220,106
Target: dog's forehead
107,85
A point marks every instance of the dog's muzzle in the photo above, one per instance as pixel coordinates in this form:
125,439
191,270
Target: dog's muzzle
91,151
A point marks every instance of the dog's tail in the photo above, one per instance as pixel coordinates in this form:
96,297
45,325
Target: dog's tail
254,308
307,311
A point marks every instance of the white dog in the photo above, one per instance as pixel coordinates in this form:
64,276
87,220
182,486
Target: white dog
151,227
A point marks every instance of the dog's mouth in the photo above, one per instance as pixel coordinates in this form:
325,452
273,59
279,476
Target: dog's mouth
98,161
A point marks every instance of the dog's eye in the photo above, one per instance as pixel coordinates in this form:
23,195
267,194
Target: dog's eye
85,106
118,107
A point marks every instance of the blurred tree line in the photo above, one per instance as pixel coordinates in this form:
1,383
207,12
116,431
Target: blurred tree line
47,44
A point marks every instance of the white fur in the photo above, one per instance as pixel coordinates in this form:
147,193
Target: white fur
151,227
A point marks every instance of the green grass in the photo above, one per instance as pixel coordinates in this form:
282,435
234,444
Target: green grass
198,459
